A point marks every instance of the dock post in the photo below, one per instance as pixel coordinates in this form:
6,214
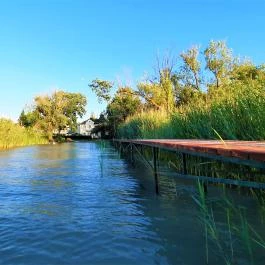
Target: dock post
205,187
141,149
120,149
155,158
131,153
184,164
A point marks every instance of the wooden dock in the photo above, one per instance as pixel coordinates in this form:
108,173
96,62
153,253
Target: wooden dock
247,153
252,151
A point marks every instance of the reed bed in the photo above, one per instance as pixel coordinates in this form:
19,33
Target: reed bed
14,135
230,114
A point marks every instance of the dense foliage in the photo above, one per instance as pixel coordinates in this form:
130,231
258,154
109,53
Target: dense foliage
207,95
53,113
12,135
239,117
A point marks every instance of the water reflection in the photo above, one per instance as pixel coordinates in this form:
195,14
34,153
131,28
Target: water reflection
56,152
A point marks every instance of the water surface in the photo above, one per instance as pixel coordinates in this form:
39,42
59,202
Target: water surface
79,203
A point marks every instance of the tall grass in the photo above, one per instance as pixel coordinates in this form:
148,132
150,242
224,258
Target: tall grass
233,238
14,135
237,113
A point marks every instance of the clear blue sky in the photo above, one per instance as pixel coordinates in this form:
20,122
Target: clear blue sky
51,44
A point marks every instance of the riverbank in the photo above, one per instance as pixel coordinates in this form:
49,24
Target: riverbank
14,135
232,113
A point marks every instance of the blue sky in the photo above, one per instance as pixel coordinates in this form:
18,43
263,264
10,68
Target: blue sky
64,44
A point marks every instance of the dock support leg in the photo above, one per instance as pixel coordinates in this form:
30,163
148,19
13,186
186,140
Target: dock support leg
155,159
131,154
121,149
184,164
141,149
205,187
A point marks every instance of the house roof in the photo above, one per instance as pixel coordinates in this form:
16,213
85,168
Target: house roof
84,122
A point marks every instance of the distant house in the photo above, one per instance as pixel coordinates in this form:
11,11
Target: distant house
66,131
85,128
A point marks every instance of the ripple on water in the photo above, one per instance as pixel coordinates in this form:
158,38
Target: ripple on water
77,204
73,204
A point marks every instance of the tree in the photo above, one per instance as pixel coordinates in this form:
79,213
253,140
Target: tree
58,111
187,80
219,61
248,72
125,103
28,119
102,89
191,68
158,94
74,108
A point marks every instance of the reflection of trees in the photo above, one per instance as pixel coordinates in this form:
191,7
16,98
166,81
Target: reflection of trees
53,162
56,152
51,177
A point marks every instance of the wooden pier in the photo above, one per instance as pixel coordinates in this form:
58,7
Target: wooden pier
249,154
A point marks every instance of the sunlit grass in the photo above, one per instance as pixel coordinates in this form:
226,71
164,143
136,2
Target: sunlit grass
236,114
14,135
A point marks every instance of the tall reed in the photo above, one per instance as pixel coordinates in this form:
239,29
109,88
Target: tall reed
237,113
233,238
14,135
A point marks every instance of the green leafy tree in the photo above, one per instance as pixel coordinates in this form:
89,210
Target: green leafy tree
58,111
125,103
158,94
247,72
102,88
50,113
219,61
191,68
28,119
188,78
74,108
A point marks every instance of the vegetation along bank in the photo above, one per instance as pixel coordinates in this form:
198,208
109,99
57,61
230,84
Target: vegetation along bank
47,117
207,94
202,94
13,135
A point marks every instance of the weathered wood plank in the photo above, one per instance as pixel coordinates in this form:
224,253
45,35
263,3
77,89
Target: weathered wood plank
251,153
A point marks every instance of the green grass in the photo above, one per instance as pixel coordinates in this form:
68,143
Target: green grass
14,135
236,113
232,238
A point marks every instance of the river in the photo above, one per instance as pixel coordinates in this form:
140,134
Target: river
80,203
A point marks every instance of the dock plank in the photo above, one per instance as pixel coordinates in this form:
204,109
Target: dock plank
247,150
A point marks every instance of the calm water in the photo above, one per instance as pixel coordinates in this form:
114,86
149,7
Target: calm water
77,203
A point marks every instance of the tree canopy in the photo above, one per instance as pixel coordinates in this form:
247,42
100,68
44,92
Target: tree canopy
53,113
102,89
124,104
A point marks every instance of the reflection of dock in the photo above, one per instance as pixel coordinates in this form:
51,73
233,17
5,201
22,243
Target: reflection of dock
197,158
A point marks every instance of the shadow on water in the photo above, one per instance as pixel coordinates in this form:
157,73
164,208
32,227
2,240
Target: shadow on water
80,203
